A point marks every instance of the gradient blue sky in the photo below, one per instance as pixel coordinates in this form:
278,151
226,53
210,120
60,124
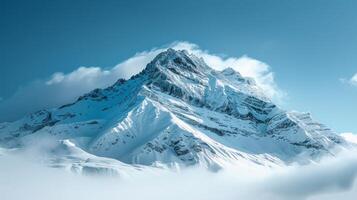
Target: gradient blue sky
309,44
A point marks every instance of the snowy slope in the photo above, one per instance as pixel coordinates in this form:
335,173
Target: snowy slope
180,112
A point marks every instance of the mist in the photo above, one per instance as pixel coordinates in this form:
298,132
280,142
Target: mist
26,177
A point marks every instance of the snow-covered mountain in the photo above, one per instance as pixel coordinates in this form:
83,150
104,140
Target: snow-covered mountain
177,112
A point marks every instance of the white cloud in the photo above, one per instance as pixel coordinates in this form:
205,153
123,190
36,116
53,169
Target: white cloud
350,137
352,81
63,88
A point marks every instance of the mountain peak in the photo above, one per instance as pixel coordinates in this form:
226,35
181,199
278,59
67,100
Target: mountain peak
179,110
171,54
182,59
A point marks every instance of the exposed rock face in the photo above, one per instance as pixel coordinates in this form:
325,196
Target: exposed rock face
179,111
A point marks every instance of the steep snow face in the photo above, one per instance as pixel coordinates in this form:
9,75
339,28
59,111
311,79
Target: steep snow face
179,111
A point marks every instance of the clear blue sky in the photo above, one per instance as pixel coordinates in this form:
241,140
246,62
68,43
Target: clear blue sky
310,44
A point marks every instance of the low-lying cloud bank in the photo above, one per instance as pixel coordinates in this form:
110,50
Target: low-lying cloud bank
330,179
63,88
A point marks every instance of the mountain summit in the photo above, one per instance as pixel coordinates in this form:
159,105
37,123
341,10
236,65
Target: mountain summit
178,112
